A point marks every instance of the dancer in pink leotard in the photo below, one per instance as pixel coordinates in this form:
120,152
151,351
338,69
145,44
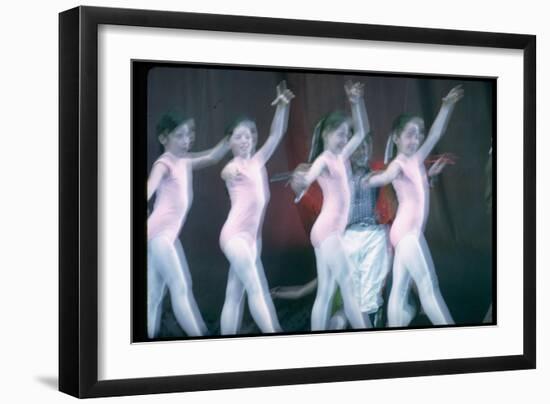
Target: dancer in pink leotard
411,188
240,238
413,261
331,170
171,180
249,195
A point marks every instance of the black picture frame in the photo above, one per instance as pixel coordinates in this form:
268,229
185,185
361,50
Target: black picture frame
78,201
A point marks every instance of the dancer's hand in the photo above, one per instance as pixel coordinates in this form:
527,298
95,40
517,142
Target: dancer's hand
354,91
298,181
454,96
365,181
438,166
225,143
284,95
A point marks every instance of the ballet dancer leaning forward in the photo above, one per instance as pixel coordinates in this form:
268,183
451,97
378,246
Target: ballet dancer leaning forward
240,239
329,157
412,260
171,179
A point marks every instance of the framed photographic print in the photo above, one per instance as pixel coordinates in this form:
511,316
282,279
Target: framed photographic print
250,201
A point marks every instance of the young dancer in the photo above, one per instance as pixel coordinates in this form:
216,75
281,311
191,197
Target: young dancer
365,239
240,239
413,261
171,180
366,242
329,158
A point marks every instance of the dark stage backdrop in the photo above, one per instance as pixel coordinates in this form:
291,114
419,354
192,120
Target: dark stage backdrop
459,225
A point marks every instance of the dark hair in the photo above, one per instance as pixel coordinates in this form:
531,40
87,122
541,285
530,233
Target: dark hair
170,121
398,125
241,119
402,120
327,124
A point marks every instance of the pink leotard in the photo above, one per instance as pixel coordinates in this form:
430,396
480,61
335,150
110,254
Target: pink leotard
411,187
336,198
173,198
249,195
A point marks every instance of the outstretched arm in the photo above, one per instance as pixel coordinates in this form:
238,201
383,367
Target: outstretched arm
305,175
294,292
209,157
361,125
441,121
279,124
157,173
381,178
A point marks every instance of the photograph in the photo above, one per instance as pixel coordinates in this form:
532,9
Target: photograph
272,201
282,202
253,201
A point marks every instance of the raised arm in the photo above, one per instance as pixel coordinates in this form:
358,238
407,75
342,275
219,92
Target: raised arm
157,173
381,178
279,124
441,121
211,156
361,125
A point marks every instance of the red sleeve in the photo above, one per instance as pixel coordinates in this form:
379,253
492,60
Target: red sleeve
386,205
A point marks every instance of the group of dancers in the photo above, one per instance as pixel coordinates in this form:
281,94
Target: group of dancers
352,249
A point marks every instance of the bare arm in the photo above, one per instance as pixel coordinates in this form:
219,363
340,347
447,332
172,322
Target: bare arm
441,121
157,174
359,115
279,123
381,178
294,292
209,157
304,176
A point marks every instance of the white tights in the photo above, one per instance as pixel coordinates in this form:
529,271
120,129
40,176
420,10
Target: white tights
334,267
413,263
167,267
246,273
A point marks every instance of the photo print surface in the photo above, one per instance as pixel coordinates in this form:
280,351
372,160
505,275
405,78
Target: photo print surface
286,201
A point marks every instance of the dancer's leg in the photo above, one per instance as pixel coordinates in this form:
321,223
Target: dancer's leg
265,287
342,269
419,262
232,312
156,289
189,282
326,286
400,313
165,259
183,262
242,256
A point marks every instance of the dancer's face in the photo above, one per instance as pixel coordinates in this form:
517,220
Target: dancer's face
337,139
360,156
410,139
181,139
242,140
